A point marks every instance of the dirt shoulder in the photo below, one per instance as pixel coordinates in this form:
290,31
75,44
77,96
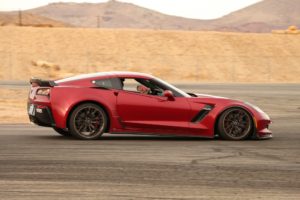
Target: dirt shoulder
13,105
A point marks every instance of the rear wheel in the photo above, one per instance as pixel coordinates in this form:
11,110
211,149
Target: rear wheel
62,131
88,121
235,124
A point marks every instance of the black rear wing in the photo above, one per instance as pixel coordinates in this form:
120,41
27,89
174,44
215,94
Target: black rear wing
42,83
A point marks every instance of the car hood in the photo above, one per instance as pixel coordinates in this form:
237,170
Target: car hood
210,96
211,99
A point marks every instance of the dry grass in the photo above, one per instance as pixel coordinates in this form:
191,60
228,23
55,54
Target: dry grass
171,55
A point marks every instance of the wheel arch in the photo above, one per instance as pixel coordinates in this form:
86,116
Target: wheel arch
73,107
253,120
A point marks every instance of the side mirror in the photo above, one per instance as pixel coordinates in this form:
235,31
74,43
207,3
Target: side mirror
168,94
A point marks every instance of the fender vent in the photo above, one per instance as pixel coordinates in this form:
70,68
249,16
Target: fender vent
202,113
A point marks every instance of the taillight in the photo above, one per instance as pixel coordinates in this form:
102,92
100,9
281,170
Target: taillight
43,91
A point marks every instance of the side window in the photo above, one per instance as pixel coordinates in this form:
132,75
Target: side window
110,83
142,86
104,83
130,84
116,83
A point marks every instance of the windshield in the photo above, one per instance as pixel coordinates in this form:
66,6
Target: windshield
172,88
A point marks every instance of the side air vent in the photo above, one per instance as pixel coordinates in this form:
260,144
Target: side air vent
202,113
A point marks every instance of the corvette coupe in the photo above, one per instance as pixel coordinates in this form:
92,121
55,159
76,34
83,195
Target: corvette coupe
86,106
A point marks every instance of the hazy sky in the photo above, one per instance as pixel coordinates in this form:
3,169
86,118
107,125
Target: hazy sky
201,9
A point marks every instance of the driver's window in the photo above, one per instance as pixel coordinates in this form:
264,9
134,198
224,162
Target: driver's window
141,86
130,84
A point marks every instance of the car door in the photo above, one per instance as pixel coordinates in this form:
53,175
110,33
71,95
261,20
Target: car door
149,113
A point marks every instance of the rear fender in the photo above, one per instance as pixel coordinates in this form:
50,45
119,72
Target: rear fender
65,99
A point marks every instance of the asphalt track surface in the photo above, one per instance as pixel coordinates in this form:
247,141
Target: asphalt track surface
36,163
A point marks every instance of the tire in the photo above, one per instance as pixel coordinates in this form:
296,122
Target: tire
88,121
62,131
235,124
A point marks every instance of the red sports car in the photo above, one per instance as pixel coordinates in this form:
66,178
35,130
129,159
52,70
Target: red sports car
86,106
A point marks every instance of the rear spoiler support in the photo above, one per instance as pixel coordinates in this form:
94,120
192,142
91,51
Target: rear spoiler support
42,83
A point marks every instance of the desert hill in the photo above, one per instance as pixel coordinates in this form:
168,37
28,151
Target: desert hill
28,19
114,14
264,16
172,55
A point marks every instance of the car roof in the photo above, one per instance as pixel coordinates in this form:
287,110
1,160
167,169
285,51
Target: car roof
106,74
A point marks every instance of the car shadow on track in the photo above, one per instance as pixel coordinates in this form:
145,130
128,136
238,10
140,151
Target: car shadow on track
136,137
130,138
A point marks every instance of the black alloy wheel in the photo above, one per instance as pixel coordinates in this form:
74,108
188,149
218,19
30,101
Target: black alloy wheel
88,121
235,124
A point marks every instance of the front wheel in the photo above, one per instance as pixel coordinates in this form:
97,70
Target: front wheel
88,121
235,124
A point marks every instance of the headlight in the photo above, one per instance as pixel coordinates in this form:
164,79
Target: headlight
43,91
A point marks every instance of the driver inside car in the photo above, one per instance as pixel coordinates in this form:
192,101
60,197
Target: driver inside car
143,89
